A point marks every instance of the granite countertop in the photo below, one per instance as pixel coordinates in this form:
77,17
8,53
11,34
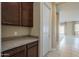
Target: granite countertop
12,43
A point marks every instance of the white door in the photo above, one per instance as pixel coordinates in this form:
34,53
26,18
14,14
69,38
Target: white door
45,29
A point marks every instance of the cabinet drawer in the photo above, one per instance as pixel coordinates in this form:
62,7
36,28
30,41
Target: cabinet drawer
32,44
13,51
32,49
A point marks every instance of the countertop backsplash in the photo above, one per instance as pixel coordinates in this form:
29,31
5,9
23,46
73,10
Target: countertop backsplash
14,31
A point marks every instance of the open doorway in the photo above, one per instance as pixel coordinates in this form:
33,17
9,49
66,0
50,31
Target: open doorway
61,31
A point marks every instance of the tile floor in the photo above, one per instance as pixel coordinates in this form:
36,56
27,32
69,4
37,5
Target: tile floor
68,47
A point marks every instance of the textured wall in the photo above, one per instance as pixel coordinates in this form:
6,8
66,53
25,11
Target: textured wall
10,31
54,26
36,19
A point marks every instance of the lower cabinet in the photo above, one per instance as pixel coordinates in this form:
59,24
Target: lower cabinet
15,52
20,54
32,49
28,50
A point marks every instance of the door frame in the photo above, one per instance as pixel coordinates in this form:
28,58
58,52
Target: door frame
41,23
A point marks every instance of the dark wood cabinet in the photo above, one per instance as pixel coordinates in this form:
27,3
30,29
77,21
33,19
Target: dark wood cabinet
27,14
32,49
28,50
22,53
17,13
15,52
10,13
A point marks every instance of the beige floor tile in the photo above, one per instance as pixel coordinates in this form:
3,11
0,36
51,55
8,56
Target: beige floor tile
66,48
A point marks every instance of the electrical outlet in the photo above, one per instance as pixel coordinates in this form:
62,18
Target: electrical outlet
15,33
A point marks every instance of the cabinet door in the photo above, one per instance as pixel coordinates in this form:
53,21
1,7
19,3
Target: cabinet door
27,14
15,52
32,50
10,13
21,53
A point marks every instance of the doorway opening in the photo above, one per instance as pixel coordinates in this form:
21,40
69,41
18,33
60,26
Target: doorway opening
61,31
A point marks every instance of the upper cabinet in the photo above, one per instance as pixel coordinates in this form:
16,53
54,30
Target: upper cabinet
10,13
27,14
18,14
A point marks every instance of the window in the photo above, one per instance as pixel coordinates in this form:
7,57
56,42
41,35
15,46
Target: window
77,29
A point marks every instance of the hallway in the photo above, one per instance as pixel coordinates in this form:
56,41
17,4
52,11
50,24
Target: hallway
68,47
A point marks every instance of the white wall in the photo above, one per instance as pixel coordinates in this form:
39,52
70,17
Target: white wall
9,31
54,25
36,19
69,11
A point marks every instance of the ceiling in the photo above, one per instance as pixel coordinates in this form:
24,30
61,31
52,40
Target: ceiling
68,11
